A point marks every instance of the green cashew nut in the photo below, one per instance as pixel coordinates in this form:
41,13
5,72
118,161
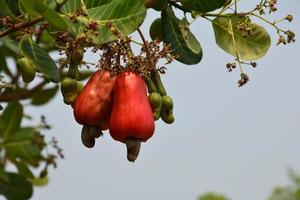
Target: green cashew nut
156,114
70,89
167,110
167,116
155,100
167,103
27,69
156,104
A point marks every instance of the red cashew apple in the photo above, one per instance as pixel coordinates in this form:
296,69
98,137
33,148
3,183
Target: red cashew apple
94,104
131,120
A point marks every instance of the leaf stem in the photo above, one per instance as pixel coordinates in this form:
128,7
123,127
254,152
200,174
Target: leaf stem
235,46
268,22
206,15
235,6
136,42
83,6
203,16
228,6
214,15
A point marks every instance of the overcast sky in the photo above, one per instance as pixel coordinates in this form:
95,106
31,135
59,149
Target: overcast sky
236,141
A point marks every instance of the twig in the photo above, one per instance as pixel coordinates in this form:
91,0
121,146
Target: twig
147,49
20,25
268,22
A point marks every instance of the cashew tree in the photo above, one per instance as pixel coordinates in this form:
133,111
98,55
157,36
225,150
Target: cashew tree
42,48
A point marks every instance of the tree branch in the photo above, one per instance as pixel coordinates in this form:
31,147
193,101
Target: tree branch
22,95
20,25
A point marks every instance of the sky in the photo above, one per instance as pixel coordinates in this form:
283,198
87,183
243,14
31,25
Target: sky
235,141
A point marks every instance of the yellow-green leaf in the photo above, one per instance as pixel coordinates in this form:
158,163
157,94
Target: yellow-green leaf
232,39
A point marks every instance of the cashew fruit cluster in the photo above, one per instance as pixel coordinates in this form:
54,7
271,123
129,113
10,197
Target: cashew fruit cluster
119,104
161,104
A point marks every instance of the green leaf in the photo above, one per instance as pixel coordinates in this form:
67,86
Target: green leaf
5,10
71,6
51,16
25,133
74,28
203,6
26,146
17,188
10,120
3,175
183,42
121,13
190,40
3,66
24,170
10,44
124,16
233,41
14,7
46,41
27,7
41,60
43,96
96,3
